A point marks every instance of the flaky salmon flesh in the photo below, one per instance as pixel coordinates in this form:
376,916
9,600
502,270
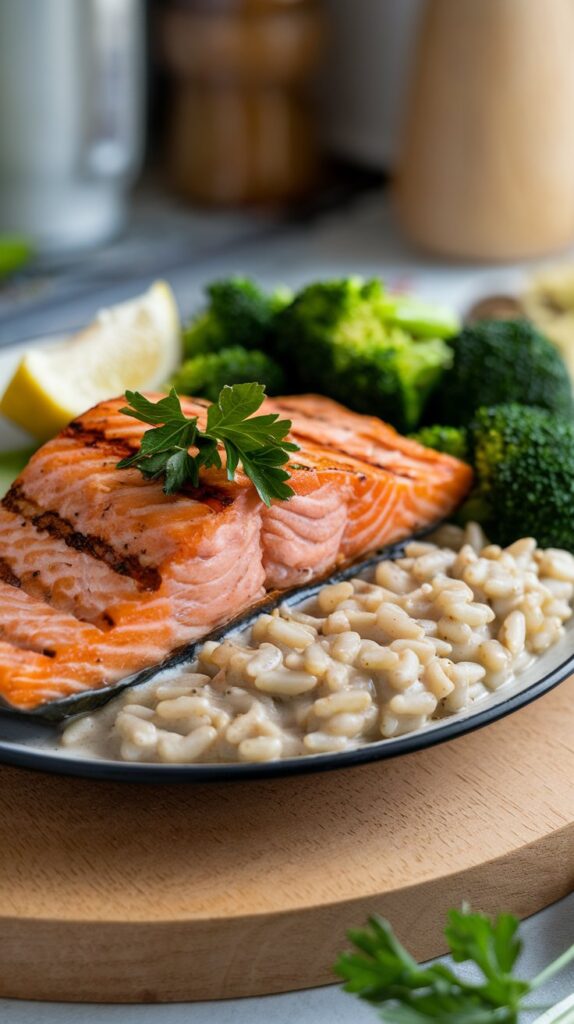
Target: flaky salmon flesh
103,575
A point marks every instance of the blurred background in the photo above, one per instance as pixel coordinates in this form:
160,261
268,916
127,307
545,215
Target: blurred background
140,136
146,138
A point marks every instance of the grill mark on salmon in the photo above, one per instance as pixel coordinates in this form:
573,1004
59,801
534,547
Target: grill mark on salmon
46,521
51,571
7,575
209,494
94,437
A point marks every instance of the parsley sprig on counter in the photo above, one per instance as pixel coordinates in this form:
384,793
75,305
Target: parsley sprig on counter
257,442
384,973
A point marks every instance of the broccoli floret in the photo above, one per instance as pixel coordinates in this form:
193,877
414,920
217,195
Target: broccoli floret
524,462
204,375
238,312
421,319
420,365
501,361
336,338
451,440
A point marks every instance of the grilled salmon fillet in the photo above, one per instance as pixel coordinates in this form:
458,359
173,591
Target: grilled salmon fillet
102,574
389,485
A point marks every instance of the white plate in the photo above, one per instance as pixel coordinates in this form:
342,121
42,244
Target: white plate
32,743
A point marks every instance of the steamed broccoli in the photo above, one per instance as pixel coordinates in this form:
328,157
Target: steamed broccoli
524,464
419,318
501,361
451,440
205,374
524,461
339,338
238,313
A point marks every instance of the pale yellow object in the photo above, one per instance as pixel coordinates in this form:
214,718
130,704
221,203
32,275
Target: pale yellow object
549,302
135,345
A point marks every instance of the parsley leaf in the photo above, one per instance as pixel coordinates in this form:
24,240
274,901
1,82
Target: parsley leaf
262,469
382,972
227,420
493,946
257,442
140,407
235,404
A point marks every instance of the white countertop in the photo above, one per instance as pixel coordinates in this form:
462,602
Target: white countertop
360,239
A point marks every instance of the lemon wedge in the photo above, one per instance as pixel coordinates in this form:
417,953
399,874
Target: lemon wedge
135,345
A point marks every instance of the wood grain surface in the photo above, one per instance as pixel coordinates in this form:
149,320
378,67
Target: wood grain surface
113,892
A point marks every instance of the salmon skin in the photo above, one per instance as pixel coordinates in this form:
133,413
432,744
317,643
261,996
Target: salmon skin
102,575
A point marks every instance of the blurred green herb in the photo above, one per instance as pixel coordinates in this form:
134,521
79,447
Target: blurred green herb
382,972
15,253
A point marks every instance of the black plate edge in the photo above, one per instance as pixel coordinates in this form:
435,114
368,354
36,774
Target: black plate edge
125,771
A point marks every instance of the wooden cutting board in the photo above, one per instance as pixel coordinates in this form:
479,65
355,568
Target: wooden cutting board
114,892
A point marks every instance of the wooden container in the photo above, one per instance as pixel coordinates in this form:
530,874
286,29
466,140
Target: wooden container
240,126
487,166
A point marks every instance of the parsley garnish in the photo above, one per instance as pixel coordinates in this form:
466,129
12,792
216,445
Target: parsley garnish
384,973
257,442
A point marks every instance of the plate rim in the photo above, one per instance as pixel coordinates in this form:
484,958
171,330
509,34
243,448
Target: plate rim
103,770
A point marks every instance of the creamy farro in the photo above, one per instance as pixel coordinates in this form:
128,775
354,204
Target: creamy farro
420,638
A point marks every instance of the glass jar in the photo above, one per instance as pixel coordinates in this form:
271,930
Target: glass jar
240,122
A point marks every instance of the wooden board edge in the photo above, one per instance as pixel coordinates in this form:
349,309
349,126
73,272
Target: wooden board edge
186,961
